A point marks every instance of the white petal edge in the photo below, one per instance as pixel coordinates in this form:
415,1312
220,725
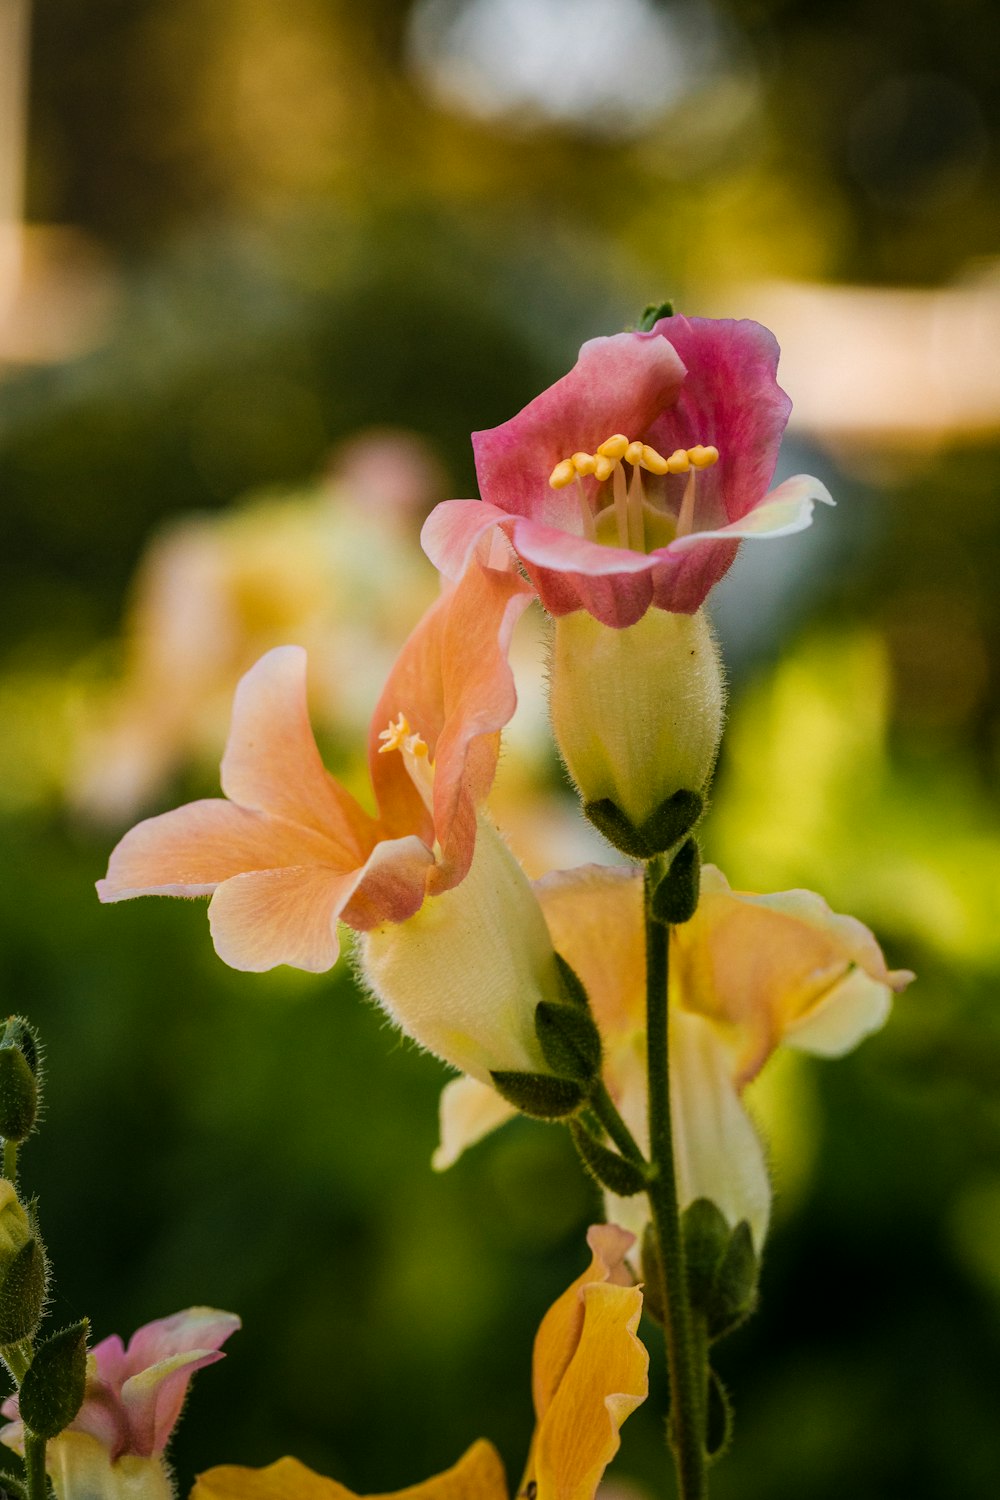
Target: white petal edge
469,1110
787,509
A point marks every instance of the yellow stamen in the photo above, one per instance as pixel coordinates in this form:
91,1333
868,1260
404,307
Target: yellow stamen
563,474
621,507
603,467
416,757
653,461
586,514
395,735
685,517
614,447
584,463
678,462
703,458
633,454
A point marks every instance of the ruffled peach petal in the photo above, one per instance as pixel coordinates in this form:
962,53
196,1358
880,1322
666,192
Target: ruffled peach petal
478,1475
153,1398
854,1008
559,1332
787,509
189,851
272,765
595,916
273,917
717,1151
469,1110
606,1380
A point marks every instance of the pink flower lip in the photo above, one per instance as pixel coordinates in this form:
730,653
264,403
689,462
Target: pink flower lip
698,404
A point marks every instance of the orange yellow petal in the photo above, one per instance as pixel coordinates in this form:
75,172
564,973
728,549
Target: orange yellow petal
478,1475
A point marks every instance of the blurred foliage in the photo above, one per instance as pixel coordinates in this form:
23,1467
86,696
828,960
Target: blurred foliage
306,241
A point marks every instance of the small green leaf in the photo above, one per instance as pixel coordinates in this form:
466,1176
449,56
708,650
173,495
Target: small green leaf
735,1292
608,818
571,984
22,1293
539,1094
52,1390
607,1168
675,898
652,313
675,817
706,1234
570,1041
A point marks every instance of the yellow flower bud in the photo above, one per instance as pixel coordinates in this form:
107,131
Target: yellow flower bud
637,713
15,1231
464,975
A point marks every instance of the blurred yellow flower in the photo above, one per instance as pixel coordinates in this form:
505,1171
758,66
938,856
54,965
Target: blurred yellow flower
589,1372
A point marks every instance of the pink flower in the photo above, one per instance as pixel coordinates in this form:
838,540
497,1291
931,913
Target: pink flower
134,1395
291,851
695,412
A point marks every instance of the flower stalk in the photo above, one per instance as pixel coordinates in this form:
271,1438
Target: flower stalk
686,1354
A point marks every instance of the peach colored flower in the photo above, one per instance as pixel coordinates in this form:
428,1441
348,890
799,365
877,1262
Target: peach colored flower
748,973
589,1372
694,409
289,851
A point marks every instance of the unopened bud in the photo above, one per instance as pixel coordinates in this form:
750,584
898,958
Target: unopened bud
22,1269
637,713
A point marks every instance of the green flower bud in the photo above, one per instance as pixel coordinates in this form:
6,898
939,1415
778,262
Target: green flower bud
22,1270
637,713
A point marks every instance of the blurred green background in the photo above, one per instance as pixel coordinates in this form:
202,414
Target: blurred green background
242,232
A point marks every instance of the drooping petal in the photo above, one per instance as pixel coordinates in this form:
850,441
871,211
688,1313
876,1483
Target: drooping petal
189,851
195,1328
787,509
717,1151
454,529
478,1475
618,384
272,765
153,1398
607,1378
270,917
469,1110
559,1332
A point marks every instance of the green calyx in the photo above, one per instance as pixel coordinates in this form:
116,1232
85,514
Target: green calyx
657,834
570,1041
722,1266
52,1390
540,1095
652,313
675,896
19,1081
608,1169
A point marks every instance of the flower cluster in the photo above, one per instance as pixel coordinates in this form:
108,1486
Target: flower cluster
617,498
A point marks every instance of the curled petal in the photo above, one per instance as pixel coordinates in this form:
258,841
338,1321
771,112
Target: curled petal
153,1398
787,509
469,1110
478,1475
604,1383
272,765
560,1330
454,529
196,1328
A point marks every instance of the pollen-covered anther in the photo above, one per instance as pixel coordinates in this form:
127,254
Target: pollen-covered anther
702,457
678,462
395,735
614,447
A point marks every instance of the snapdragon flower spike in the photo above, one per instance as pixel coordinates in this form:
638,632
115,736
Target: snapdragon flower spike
289,851
632,480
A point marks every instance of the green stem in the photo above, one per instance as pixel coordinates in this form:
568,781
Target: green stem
34,1466
686,1364
606,1111
10,1160
17,1358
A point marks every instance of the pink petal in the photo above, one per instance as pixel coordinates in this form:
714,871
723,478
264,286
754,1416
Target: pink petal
189,851
272,765
152,1398
618,384
195,1328
270,917
730,398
